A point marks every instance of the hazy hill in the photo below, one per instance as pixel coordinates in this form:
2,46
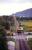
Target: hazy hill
25,13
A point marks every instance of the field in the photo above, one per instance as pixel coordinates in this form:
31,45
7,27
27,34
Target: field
27,25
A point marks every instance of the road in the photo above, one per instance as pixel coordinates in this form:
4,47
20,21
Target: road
20,43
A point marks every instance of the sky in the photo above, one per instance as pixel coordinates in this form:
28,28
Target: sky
8,7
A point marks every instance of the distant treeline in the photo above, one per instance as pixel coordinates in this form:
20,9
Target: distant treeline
9,18
24,18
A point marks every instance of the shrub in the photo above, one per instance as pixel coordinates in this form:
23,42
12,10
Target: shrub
30,43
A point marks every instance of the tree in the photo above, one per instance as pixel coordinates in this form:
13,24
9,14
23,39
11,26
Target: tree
3,44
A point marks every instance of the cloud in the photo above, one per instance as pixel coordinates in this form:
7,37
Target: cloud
15,1
8,9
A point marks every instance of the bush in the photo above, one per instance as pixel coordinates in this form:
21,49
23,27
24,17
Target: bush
30,43
3,44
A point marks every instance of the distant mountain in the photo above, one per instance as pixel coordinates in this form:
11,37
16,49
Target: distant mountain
25,13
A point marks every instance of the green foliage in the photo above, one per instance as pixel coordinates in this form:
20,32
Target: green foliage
30,43
2,40
1,33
